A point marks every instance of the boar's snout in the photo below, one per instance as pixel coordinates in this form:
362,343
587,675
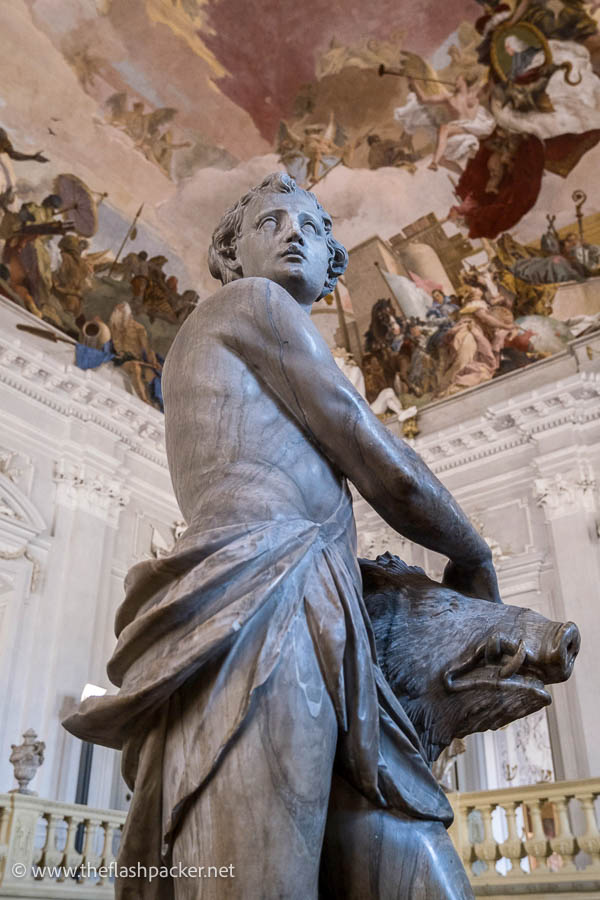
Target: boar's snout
559,651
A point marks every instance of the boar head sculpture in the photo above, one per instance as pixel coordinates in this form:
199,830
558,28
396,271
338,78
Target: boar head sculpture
457,664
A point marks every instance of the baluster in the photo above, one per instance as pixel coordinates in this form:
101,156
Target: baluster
537,845
564,842
487,849
91,858
589,842
465,848
50,855
512,847
38,852
117,837
73,858
105,853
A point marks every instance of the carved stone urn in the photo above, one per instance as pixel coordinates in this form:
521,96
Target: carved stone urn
26,758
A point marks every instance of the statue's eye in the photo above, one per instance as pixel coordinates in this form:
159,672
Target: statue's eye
268,223
309,226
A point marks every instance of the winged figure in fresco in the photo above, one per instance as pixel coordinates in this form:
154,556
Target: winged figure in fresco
464,58
121,116
86,64
136,122
311,150
454,112
149,130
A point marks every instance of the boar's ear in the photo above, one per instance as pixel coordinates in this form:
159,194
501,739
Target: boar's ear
385,568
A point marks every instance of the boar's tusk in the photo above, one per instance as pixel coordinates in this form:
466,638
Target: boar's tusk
487,653
513,665
493,648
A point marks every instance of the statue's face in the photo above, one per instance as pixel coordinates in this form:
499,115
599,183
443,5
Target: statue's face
283,238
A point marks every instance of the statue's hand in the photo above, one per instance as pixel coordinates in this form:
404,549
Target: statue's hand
475,581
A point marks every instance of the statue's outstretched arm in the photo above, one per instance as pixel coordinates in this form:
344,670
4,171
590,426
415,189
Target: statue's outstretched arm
279,342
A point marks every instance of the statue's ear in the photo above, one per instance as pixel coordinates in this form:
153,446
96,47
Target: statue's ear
223,263
230,261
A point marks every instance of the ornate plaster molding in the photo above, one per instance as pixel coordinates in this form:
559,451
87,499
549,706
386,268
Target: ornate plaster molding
17,512
20,521
522,575
517,422
83,395
23,553
562,494
79,486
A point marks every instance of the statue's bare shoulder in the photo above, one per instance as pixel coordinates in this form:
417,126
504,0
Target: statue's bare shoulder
259,309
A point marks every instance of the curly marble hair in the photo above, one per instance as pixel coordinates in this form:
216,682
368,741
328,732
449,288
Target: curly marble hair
222,251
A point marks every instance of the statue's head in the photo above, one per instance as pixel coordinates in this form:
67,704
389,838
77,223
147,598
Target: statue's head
281,232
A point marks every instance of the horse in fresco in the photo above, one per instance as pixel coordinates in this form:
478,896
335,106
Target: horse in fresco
394,357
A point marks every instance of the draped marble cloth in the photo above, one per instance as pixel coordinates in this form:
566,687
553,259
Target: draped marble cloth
201,630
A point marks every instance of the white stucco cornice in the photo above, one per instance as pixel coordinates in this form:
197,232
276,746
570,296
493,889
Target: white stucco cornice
83,395
521,420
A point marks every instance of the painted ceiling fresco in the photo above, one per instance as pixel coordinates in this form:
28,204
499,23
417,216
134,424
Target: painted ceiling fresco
455,146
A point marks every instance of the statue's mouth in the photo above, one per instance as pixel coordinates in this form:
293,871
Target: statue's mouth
500,664
293,253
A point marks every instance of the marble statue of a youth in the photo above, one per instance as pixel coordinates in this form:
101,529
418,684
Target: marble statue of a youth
245,661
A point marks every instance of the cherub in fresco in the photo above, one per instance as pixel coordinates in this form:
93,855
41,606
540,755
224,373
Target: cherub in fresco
463,55
147,129
462,119
161,147
368,54
462,58
310,155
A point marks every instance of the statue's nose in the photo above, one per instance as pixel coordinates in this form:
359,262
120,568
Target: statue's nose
293,232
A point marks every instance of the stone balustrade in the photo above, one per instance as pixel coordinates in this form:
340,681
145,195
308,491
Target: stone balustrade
56,850
530,840
540,840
